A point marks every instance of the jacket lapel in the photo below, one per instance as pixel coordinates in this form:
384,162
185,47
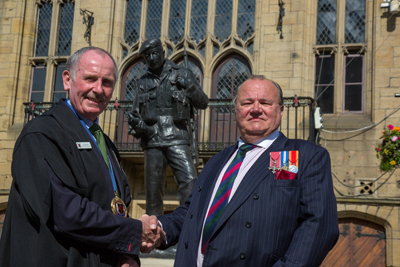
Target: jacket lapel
257,173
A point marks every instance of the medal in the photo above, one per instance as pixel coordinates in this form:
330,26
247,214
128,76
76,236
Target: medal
118,207
275,163
293,161
293,169
285,168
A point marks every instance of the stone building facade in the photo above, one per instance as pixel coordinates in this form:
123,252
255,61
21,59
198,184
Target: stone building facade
342,53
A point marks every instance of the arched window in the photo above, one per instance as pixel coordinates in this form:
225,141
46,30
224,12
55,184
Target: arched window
246,18
227,78
132,74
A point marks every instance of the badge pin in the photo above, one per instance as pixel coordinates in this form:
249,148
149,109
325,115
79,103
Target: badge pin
83,145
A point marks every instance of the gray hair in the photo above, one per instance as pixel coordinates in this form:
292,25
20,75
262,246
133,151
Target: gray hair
73,62
261,78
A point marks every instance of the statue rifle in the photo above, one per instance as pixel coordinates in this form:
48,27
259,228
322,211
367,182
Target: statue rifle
192,122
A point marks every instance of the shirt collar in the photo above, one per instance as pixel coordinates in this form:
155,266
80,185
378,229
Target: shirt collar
265,142
87,122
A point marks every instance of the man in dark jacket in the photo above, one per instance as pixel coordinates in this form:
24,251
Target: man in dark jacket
160,118
67,181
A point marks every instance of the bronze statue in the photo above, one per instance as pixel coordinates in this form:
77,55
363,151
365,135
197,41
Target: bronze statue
160,118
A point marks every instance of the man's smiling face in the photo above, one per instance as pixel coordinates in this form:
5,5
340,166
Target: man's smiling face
92,87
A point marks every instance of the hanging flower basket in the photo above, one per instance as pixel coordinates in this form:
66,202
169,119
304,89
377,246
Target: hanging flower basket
388,150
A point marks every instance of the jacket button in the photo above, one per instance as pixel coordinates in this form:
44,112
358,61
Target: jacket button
117,247
191,215
186,245
199,188
242,255
248,224
256,196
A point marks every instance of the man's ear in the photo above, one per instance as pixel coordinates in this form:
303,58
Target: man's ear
66,80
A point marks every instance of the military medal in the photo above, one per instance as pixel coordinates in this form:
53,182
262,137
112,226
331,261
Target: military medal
285,160
118,206
275,161
293,161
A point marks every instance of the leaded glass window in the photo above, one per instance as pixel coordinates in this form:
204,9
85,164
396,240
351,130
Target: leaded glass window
132,21
65,25
134,74
198,20
154,12
58,87
355,21
353,82
43,29
246,18
223,19
324,81
326,23
38,80
177,20
230,76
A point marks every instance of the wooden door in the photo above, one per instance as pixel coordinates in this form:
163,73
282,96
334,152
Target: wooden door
361,244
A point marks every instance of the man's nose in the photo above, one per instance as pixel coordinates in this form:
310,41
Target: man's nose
256,107
98,87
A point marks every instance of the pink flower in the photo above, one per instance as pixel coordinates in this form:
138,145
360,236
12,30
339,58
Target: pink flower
394,138
390,127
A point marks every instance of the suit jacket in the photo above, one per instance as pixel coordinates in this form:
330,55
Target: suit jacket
268,222
46,151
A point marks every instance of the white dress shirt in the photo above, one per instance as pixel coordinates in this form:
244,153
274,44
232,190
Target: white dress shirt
248,161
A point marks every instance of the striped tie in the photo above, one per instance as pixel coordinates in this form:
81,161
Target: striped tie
222,195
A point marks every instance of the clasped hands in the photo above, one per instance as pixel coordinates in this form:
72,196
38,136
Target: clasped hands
152,234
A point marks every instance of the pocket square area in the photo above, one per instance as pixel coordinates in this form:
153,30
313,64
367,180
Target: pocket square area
285,175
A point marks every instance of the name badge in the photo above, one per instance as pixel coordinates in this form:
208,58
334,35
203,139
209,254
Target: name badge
83,145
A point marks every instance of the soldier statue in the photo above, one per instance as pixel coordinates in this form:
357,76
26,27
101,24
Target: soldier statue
160,118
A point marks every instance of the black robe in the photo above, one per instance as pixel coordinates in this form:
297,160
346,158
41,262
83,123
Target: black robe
46,150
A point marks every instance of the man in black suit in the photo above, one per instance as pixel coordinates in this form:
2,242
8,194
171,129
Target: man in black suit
68,198
270,204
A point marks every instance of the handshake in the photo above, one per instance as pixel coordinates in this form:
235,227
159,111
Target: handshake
152,237
152,234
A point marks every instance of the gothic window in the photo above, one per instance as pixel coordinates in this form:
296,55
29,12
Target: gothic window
246,18
177,20
65,28
231,73
326,24
133,73
38,79
43,29
153,24
132,21
223,19
58,87
355,21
